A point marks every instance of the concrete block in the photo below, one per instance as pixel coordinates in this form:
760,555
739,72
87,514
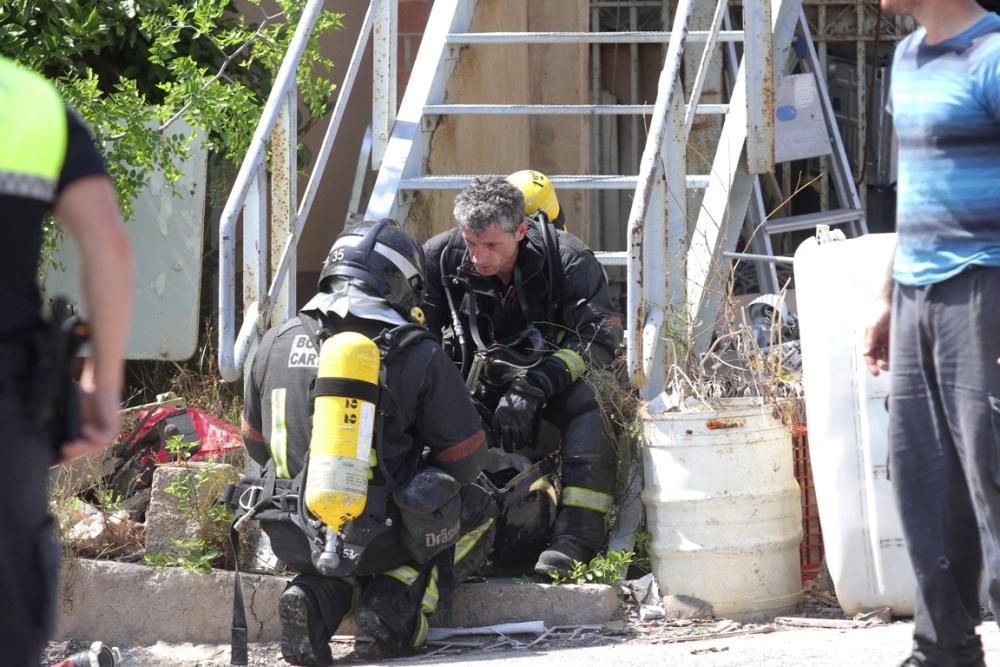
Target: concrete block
127,604
166,520
503,601
130,604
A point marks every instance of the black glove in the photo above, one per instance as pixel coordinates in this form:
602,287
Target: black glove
514,418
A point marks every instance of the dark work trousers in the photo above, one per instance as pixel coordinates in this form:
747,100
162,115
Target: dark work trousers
945,455
588,461
28,548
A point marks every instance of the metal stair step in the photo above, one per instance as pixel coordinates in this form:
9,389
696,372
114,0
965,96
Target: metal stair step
643,37
558,109
794,223
570,182
612,257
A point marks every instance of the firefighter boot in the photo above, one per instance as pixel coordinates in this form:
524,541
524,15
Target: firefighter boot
310,610
390,610
578,535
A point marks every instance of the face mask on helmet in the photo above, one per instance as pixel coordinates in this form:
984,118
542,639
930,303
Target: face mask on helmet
384,258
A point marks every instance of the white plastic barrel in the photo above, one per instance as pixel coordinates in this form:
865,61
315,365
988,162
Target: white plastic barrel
723,508
836,285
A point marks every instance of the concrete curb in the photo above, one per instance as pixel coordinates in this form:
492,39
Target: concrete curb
130,604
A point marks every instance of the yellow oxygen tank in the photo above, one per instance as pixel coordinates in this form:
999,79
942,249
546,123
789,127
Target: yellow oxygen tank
343,426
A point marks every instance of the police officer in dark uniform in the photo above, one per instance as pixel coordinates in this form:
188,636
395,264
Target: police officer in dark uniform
48,163
372,283
499,274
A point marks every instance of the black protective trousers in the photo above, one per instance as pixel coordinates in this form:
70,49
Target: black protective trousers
945,455
29,551
589,463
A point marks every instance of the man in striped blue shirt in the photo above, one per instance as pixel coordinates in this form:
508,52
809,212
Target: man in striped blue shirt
943,303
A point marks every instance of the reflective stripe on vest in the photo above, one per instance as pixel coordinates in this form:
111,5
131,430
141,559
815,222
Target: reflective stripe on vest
33,134
279,433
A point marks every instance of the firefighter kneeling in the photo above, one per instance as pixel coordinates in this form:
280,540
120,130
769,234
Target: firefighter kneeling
341,403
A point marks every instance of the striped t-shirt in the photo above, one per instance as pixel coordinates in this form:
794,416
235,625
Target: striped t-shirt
945,103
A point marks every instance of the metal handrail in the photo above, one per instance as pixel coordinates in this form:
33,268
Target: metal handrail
650,169
653,304
249,192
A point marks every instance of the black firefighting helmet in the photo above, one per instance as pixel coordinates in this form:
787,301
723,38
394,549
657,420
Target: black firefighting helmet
384,258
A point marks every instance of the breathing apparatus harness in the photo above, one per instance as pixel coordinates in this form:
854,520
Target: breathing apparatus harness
282,500
505,354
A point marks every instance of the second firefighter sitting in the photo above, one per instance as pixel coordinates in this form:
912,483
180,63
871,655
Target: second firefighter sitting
498,275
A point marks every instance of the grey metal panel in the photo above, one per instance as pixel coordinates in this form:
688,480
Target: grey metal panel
800,131
167,236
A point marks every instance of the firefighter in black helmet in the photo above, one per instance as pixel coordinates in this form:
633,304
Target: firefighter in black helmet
372,284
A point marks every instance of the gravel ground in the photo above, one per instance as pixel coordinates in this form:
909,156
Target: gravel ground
637,644
699,642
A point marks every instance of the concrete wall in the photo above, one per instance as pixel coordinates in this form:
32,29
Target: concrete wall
515,74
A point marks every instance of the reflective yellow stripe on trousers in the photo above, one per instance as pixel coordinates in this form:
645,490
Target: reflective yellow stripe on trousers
470,539
588,499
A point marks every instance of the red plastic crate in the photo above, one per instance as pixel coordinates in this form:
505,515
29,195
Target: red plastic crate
811,548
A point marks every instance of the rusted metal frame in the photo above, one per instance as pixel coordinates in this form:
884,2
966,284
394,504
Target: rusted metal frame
645,296
675,165
385,37
229,367
255,244
706,57
758,58
284,141
408,145
725,202
760,240
286,257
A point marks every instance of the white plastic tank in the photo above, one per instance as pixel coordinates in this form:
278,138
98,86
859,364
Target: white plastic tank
723,508
836,285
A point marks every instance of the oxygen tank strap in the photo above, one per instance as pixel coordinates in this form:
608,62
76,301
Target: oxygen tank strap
344,388
474,322
238,654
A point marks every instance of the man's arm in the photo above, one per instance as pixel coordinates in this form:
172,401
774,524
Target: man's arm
252,417
447,420
592,329
88,210
876,350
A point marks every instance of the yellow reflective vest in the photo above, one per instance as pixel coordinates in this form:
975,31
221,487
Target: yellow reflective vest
33,131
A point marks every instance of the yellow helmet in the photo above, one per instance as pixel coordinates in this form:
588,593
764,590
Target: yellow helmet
539,195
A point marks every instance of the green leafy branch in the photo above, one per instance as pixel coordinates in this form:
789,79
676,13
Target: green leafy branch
133,68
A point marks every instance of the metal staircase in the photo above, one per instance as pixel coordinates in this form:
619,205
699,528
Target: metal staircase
675,273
